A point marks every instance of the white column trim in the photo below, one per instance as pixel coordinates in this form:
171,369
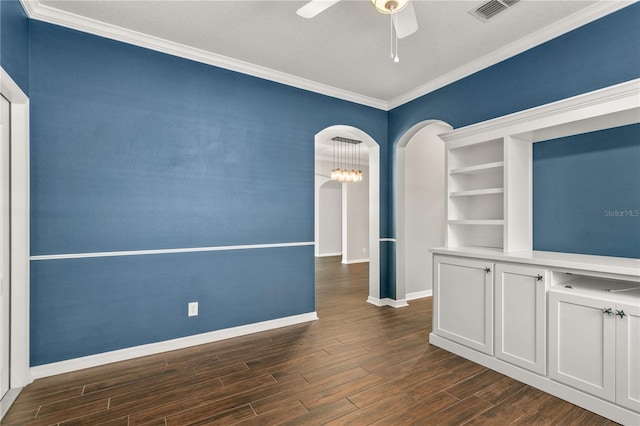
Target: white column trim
401,303
19,356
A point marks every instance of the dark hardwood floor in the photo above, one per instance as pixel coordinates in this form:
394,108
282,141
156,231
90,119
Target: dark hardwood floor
357,365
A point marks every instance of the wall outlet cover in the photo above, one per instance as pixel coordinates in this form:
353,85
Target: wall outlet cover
193,309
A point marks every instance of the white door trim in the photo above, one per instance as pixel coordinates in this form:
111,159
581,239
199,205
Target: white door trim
19,356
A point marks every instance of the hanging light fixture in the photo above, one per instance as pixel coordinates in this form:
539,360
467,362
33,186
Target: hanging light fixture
391,7
346,160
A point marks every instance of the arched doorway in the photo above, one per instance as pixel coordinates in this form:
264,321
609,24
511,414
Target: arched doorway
420,206
373,151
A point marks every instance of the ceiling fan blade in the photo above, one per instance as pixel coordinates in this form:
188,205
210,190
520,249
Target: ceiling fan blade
406,22
314,7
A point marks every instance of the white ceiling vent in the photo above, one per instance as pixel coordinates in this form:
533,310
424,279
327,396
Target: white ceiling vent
491,8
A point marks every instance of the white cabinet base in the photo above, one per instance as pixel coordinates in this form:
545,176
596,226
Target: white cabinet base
581,399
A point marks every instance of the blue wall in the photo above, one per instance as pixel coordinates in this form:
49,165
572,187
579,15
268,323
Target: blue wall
87,306
14,42
132,149
586,193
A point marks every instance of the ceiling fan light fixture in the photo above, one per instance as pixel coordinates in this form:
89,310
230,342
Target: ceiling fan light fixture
389,6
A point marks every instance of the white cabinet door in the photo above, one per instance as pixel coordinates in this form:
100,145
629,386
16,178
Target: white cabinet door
463,295
582,343
628,355
520,312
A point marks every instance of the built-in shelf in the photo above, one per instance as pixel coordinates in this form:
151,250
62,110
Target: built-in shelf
489,164
475,192
476,189
478,169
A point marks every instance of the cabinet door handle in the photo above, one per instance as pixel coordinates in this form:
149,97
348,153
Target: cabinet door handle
487,270
607,311
539,277
621,314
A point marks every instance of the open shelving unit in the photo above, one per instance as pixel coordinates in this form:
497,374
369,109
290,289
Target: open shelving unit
477,185
488,165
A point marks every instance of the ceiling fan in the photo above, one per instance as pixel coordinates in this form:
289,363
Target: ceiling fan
405,22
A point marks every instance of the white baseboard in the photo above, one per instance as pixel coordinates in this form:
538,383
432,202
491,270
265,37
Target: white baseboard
349,262
376,302
8,399
419,294
329,254
75,364
388,302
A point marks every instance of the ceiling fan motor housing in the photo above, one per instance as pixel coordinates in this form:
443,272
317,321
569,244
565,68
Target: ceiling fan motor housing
389,6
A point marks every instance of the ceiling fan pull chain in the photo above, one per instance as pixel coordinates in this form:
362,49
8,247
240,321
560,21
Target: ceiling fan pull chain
396,59
391,37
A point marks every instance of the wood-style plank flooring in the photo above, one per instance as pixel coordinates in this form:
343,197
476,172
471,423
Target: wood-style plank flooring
357,365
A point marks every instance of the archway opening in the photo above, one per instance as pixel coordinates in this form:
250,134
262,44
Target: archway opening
420,206
350,250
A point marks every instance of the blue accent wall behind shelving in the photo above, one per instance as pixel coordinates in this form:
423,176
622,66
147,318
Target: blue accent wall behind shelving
586,193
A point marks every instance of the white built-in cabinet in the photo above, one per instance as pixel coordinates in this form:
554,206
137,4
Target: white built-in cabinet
521,316
542,318
628,356
464,309
594,340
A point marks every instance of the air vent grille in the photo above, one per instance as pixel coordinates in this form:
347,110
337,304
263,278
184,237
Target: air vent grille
491,8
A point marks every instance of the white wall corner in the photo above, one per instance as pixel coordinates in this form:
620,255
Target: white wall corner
388,302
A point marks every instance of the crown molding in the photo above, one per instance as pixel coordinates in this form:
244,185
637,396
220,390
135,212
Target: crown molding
578,19
36,10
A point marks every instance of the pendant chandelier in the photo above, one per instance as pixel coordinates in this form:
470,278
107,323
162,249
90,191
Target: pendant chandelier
346,160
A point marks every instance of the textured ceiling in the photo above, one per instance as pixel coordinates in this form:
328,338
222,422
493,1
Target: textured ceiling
345,47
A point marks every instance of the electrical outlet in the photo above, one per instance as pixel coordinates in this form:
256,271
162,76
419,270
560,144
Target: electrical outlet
193,309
